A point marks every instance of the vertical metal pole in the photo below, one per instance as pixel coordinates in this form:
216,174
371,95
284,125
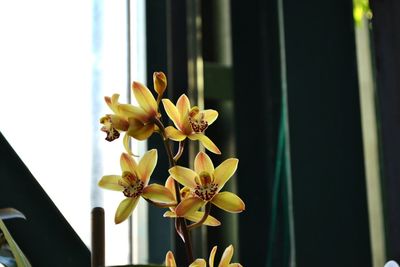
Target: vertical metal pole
98,239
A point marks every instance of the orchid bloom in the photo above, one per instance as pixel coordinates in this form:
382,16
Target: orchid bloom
134,183
141,118
114,123
225,259
224,262
194,217
205,184
190,122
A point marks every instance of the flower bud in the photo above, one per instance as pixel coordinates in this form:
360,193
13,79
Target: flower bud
160,82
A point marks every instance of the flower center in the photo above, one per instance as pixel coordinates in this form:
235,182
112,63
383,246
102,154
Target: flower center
197,121
133,186
206,188
108,128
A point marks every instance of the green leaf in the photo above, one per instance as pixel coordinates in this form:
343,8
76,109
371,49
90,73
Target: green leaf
19,256
10,213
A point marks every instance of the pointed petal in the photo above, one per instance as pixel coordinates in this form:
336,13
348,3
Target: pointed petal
145,98
184,176
131,111
183,105
207,143
125,209
229,202
202,162
235,265
210,115
138,130
158,193
226,257
170,260
225,171
170,214
212,256
198,215
199,263
110,182
128,164
126,144
174,134
146,165
188,206
171,111
170,184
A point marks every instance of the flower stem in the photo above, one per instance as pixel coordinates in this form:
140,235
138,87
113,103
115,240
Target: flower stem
180,224
203,219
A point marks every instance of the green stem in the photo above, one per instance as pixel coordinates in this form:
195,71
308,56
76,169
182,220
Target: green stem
180,221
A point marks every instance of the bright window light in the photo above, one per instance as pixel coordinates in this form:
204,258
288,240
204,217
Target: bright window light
57,61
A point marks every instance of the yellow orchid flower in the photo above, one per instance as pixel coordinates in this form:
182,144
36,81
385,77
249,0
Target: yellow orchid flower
225,259
224,262
205,184
190,122
134,183
141,118
114,123
194,217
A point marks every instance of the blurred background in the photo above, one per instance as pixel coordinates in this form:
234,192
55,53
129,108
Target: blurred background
308,94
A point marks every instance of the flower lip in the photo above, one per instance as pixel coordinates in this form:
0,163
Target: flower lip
133,186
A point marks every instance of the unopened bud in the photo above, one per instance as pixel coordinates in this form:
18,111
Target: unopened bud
160,82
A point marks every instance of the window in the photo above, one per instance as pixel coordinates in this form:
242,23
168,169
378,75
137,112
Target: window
58,60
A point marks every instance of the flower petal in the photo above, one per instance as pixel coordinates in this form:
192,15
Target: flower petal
202,162
184,176
158,193
138,130
111,182
128,164
146,165
170,214
170,260
235,265
210,115
212,256
145,98
207,143
174,134
126,144
188,206
170,184
199,263
130,111
171,111
226,257
229,202
183,105
225,171
119,122
198,215
125,209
